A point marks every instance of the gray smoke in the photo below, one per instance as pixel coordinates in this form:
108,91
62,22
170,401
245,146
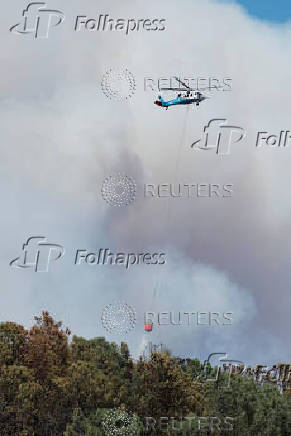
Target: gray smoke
61,137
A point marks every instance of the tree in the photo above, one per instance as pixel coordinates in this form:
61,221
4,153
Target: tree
46,351
78,427
49,387
161,388
13,338
19,396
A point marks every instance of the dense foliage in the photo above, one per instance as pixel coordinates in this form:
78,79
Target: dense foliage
50,386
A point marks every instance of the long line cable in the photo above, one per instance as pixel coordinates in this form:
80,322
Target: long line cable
178,157
158,280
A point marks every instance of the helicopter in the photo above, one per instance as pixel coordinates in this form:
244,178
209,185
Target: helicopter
192,96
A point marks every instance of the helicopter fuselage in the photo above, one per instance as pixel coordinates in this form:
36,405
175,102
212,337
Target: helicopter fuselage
179,101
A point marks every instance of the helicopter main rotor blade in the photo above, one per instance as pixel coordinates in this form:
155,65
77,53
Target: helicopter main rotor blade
191,89
209,87
182,83
174,89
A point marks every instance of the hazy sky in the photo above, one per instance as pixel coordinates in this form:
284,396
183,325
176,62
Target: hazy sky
61,137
